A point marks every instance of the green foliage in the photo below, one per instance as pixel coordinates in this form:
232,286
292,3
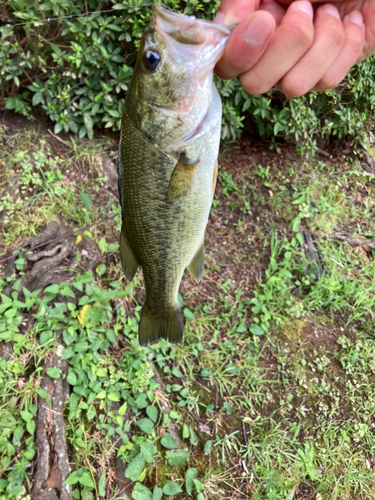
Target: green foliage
98,379
346,111
273,296
307,461
75,60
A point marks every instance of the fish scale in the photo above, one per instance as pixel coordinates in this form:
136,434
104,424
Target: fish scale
167,165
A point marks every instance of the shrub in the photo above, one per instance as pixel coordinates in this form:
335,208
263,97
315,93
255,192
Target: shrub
74,59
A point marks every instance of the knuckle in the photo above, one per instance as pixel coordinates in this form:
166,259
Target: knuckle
336,36
355,45
301,36
253,83
329,81
293,87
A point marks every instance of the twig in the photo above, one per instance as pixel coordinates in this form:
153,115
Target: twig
365,174
350,240
323,153
52,466
250,456
58,138
338,263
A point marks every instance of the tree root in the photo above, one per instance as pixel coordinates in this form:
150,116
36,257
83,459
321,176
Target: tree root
350,240
367,162
124,484
52,467
313,254
56,262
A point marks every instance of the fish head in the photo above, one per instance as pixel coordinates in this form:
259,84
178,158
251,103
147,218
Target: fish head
172,86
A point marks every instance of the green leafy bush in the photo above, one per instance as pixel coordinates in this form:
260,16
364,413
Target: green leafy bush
74,59
309,121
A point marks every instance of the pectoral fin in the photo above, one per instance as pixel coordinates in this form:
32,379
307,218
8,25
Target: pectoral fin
196,265
129,261
181,178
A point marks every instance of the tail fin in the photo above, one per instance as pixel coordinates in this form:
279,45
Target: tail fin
168,325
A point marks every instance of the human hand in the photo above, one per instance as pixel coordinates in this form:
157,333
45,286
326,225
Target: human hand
297,46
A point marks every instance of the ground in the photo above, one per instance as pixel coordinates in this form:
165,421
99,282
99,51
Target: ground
270,396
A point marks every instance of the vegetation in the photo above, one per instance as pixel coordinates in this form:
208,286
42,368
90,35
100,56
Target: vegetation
272,391
74,60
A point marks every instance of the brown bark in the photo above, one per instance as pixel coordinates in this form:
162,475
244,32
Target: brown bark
52,467
124,484
313,254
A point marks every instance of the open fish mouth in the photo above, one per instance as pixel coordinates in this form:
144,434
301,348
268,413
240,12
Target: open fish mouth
187,29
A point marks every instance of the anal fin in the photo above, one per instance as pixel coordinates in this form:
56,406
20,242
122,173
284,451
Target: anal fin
196,265
129,261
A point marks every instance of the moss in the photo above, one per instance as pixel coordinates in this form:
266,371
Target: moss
291,332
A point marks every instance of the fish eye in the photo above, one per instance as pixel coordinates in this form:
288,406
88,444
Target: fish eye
151,59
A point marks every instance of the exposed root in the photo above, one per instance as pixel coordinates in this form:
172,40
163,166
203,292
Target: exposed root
350,240
314,255
367,162
171,427
124,484
56,262
52,467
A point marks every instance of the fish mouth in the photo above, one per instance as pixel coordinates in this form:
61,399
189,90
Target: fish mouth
187,29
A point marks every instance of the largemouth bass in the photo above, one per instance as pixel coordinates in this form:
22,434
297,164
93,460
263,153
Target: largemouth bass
167,163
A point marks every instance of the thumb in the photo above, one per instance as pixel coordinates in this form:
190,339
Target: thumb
246,45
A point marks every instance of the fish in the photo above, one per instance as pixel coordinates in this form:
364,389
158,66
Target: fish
167,163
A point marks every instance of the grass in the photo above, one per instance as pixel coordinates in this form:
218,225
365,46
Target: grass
271,392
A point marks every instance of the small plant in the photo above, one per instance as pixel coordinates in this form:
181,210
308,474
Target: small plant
262,172
274,293
307,461
227,183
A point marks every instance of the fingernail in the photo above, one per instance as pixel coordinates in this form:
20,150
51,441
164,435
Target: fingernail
257,31
305,7
331,10
220,16
355,17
